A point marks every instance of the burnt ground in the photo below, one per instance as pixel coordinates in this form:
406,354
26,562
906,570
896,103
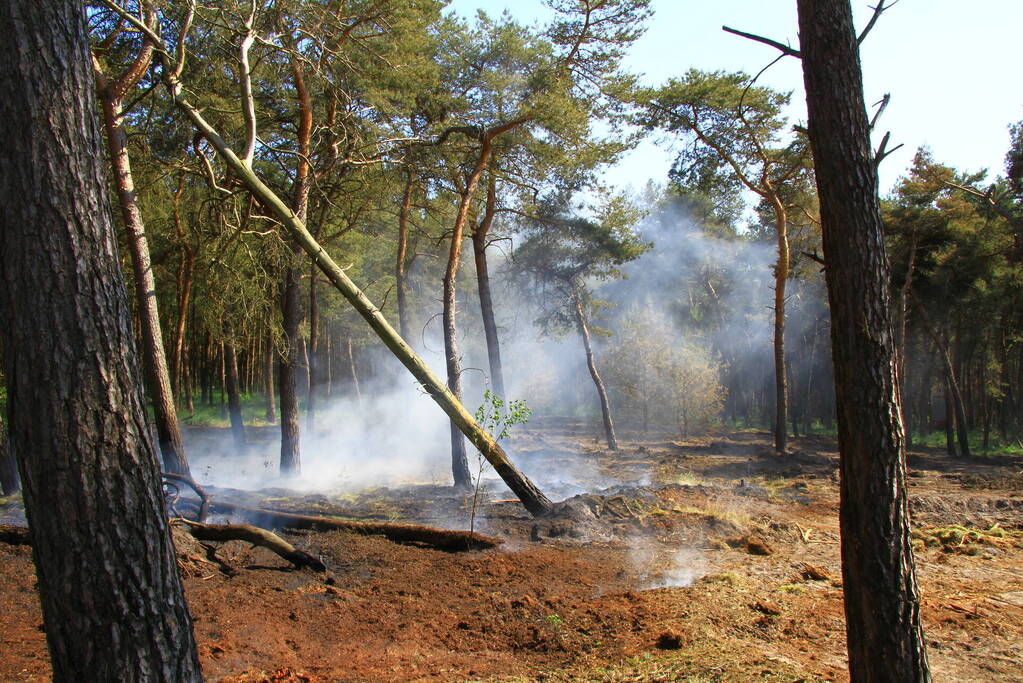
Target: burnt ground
709,559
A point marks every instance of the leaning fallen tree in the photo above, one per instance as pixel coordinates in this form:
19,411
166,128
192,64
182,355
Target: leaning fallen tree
532,498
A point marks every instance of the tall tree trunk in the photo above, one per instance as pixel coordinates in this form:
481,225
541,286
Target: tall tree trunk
108,581
268,379
9,481
950,420
313,350
223,382
234,403
291,306
154,357
781,276
186,269
591,363
882,599
401,258
354,371
187,377
287,375
479,250
329,369
459,461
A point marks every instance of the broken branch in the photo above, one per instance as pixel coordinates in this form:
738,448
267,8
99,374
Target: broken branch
442,539
785,49
255,536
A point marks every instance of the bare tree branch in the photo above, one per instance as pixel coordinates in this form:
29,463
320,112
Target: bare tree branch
785,49
878,11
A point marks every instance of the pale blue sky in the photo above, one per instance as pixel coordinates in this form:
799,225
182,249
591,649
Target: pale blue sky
953,70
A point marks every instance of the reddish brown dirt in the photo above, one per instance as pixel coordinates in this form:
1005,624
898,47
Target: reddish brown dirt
596,595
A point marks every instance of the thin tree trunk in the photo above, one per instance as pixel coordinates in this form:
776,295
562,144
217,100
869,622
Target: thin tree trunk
459,461
223,382
355,373
108,581
329,369
314,361
781,276
187,377
882,600
154,357
401,258
233,396
287,376
186,270
950,440
268,379
479,250
591,363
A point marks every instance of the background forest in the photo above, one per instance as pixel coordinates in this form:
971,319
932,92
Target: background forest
452,168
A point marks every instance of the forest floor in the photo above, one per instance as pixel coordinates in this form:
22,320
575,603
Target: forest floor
709,559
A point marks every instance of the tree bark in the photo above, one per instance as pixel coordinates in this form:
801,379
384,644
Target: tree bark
111,594
401,258
479,250
111,94
287,375
268,379
291,305
312,351
186,270
591,363
781,276
882,600
459,461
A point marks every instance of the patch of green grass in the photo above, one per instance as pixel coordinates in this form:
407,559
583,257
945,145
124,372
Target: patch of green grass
996,447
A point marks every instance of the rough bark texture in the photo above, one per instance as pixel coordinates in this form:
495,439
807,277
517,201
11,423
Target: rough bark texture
479,250
591,363
154,356
109,586
882,600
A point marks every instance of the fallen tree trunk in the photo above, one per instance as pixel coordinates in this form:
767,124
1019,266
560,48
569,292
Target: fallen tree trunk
442,539
255,536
